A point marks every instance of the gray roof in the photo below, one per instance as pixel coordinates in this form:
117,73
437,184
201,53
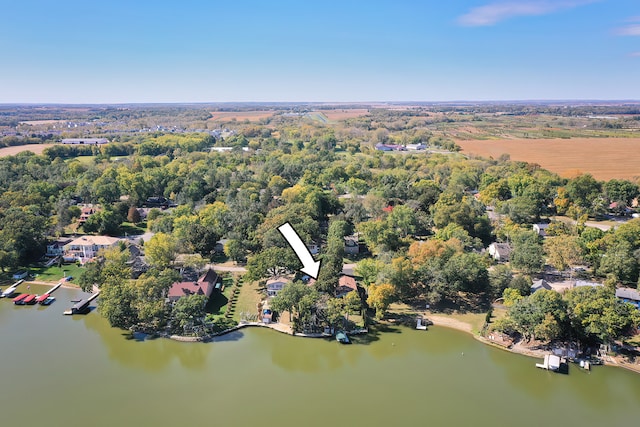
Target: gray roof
540,284
587,283
628,293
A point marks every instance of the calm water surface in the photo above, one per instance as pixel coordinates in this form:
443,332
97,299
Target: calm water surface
57,370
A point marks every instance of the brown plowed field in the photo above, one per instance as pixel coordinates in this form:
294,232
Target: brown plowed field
604,158
35,148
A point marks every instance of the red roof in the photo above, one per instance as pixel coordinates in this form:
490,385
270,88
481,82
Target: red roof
388,209
183,289
346,284
42,297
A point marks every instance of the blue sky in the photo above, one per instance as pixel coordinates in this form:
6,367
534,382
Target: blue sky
328,51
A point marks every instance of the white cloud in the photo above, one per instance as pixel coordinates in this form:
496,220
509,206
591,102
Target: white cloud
629,30
635,54
493,13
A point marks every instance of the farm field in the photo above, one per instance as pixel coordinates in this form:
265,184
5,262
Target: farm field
344,113
252,116
35,148
604,158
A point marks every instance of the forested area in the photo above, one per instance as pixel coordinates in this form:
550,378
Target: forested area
425,218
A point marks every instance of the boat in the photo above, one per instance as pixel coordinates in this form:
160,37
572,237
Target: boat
29,299
48,301
19,300
11,289
42,298
342,337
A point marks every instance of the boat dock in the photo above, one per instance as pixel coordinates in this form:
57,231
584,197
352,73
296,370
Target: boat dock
8,293
42,298
82,306
554,363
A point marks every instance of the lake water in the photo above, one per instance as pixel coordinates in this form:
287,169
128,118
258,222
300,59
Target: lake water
59,370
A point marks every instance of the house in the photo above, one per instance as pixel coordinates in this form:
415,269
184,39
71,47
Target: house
314,248
87,247
157,202
56,248
540,284
416,147
351,245
205,285
86,212
275,285
630,295
541,229
500,251
86,141
346,284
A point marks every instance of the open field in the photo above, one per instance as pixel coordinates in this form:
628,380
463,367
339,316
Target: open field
35,148
343,114
252,116
604,158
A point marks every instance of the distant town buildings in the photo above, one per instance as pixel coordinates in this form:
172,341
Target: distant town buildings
85,141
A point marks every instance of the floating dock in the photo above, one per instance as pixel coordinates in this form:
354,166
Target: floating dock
82,307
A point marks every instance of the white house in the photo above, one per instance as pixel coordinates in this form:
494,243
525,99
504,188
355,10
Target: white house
87,247
500,251
275,285
541,229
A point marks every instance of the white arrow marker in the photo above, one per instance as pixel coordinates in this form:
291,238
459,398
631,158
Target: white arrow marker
309,265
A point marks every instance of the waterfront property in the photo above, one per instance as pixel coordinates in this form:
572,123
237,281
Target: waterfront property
205,285
85,248
275,285
346,284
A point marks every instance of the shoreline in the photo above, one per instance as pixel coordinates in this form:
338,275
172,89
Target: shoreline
517,349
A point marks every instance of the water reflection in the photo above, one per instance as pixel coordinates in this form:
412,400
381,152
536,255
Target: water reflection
139,351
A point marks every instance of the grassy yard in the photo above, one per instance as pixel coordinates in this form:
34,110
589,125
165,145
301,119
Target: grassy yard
55,273
130,229
217,304
248,299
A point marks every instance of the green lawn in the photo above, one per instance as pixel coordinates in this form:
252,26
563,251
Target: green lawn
55,273
248,299
131,229
217,304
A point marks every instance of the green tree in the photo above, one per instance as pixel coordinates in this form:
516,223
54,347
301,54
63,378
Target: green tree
527,254
161,250
500,277
189,310
562,251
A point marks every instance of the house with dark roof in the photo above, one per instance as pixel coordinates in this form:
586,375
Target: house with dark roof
630,295
500,251
540,284
205,285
